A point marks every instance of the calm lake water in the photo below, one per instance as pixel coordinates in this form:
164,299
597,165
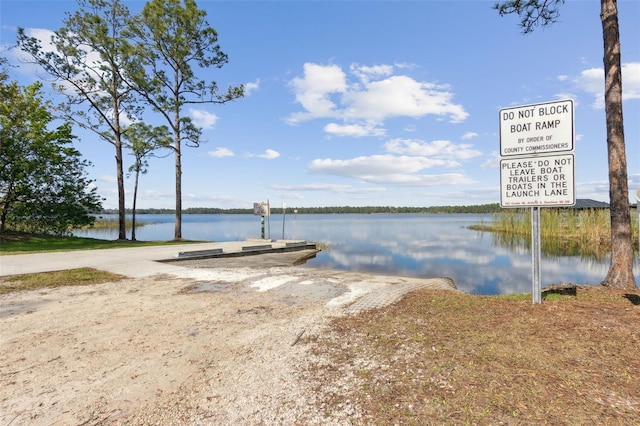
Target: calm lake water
420,245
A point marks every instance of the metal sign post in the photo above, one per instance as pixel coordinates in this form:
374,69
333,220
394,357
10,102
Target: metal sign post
537,165
535,255
284,214
638,211
268,218
262,209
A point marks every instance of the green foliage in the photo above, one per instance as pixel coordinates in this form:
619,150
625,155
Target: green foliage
532,13
43,183
86,65
516,297
143,140
173,41
110,64
481,208
573,232
17,243
535,13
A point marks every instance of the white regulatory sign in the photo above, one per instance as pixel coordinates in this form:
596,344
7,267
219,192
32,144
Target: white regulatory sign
542,181
537,129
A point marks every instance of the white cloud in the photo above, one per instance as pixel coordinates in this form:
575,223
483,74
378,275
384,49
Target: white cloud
366,166
403,164
367,169
592,81
422,180
150,194
312,187
469,135
91,59
365,73
493,162
355,130
434,149
107,179
398,96
269,154
566,95
328,187
250,87
27,67
314,89
386,169
22,57
595,190
373,95
202,118
631,80
221,152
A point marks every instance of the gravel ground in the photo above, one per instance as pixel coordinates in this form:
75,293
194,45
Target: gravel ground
175,351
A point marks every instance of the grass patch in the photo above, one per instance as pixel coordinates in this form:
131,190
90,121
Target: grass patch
70,277
440,357
515,297
563,232
19,243
111,223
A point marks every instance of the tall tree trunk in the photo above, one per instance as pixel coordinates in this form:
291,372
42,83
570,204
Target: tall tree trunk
122,231
178,225
117,130
6,203
621,268
135,199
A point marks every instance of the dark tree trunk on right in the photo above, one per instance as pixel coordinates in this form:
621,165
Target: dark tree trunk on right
621,268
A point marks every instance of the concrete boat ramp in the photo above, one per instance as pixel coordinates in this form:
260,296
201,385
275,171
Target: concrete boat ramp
249,265
247,248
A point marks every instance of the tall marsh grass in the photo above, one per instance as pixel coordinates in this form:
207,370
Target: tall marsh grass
562,231
111,223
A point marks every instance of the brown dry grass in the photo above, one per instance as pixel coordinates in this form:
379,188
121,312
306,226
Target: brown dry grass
69,277
451,358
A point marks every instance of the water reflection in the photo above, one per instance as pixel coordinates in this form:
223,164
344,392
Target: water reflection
551,247
407,245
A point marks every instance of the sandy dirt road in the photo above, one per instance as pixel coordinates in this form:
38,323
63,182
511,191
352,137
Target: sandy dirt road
170,350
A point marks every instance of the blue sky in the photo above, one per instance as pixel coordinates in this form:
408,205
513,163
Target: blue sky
386,103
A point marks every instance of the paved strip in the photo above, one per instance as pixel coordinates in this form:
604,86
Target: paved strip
347,292
387,295
135,262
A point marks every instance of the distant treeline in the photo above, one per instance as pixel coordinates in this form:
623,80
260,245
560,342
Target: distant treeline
482,208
